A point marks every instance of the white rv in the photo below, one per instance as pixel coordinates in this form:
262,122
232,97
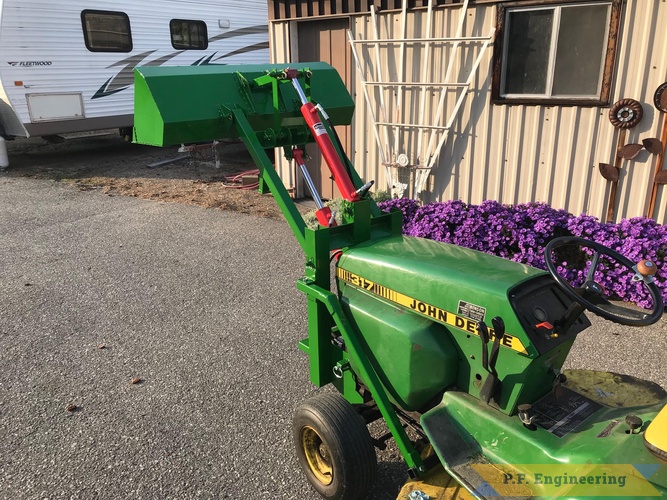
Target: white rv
68,66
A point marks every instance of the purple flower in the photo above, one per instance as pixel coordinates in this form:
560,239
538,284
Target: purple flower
520,233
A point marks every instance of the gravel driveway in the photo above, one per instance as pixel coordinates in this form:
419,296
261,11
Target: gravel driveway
201,306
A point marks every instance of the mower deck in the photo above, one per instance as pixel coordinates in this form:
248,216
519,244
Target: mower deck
437,485
566,426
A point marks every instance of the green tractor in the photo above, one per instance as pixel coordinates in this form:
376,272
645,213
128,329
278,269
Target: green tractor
459,352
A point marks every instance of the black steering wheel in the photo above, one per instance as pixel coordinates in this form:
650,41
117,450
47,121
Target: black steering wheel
590,294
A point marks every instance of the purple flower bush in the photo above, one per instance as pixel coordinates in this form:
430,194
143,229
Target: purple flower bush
520,233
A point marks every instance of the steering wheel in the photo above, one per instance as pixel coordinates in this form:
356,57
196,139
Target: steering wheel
590,294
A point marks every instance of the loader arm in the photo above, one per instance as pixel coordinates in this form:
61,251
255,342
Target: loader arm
263,107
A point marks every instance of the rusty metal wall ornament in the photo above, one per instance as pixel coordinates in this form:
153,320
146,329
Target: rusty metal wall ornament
626,113
660,98
630,151
609,172
652,145
659,175
661,178
623,115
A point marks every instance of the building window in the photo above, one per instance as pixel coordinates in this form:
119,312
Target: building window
106,31
188,34
555,53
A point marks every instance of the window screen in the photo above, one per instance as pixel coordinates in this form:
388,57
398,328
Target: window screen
580,49
188,34
527,61
105,31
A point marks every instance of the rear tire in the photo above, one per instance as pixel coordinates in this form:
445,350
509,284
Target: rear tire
334,447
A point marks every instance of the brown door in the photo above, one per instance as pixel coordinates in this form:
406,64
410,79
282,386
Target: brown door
326,41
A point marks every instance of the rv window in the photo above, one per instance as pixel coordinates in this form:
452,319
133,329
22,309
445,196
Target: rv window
550,53
106,31
188,34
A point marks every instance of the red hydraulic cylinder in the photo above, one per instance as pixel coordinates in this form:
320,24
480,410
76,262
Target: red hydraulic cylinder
340,175
324,215
319,131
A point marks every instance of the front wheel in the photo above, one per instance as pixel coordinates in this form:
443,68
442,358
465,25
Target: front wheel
334,447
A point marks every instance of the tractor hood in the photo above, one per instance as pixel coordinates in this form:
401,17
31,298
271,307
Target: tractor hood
425,266
451,284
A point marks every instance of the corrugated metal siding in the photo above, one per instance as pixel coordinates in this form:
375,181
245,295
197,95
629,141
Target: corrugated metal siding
642,68
282,47
286,9
522,153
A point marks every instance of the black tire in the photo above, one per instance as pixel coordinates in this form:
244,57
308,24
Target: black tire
334,447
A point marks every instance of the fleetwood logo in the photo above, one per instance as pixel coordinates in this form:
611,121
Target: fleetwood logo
29,63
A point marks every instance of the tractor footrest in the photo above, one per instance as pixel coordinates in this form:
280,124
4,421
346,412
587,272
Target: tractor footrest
463,459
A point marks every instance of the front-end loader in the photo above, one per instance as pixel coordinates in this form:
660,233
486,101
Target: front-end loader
459,352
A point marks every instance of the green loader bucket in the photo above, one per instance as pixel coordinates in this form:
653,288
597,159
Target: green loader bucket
189,104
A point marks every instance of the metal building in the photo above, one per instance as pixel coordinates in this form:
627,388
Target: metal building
534,124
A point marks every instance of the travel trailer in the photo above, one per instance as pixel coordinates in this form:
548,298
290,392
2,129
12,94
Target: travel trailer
68,66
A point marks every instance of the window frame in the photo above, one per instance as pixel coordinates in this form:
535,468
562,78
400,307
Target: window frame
191,21
86,34
608,64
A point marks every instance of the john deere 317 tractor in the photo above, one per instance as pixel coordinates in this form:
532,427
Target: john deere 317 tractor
459,352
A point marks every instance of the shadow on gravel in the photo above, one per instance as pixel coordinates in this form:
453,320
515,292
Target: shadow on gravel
106,162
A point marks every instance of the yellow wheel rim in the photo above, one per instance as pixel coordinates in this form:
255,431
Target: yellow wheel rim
317,455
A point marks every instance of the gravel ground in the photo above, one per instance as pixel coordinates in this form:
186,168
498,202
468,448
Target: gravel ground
635,351
200,305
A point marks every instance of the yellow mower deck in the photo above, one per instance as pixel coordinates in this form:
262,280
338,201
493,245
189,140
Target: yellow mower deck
438,485
655,437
